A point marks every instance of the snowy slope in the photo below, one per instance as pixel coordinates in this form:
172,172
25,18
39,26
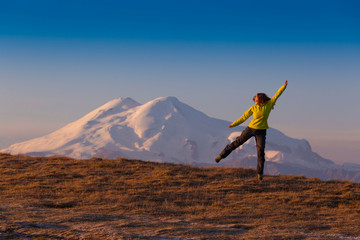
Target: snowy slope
165,130
161,130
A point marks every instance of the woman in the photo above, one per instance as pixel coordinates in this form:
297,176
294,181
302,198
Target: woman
257,127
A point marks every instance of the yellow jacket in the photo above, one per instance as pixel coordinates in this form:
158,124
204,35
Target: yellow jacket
260,113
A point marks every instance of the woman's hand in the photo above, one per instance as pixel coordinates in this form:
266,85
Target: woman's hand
285,84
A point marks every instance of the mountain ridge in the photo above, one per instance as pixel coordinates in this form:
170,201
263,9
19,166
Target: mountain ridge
167,130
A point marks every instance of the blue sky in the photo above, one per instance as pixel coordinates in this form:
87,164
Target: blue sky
61,59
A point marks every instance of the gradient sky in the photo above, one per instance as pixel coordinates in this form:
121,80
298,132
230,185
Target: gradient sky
61,59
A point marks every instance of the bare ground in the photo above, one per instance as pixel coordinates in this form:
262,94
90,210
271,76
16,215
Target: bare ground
61,198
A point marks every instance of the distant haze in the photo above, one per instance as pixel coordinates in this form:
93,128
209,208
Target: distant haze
337,150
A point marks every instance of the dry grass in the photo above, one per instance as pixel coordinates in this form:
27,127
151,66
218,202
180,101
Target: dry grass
61,198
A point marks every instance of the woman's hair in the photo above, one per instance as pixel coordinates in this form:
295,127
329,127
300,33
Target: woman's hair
262,98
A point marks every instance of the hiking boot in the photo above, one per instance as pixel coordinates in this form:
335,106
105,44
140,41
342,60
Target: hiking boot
218,158
260,177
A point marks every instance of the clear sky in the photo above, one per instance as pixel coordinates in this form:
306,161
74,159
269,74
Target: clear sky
60,59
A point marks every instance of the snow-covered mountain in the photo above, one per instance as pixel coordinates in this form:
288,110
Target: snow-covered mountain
167,130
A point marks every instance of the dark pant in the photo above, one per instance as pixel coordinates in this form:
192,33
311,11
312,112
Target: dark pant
260,137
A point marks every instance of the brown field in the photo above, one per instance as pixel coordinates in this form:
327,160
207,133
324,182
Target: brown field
61,198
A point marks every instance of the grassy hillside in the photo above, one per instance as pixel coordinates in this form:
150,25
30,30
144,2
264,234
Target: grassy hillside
61,198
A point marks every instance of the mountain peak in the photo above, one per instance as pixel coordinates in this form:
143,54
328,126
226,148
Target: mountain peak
114,106
119,103
164,100
167,99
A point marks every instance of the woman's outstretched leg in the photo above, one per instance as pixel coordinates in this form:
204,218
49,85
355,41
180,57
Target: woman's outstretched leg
245,135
